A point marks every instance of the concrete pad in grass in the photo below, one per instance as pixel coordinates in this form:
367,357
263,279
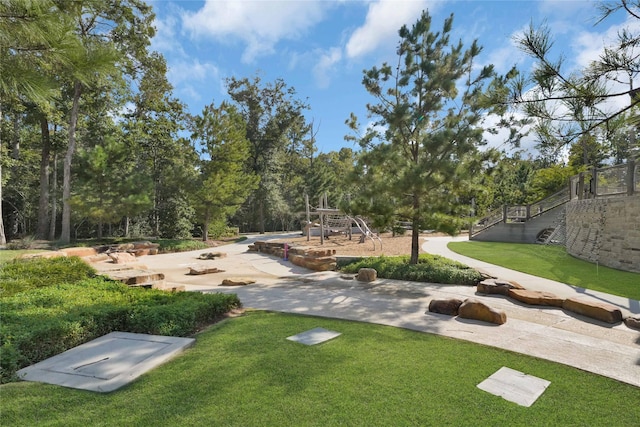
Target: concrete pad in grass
314,336
515,386
106,363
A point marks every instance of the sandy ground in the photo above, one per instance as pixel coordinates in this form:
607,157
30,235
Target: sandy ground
387,245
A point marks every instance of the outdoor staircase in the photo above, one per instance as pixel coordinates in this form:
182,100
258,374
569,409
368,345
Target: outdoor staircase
521,218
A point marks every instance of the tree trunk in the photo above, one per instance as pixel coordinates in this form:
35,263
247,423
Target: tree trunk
205,226
65,233
43,202
261,215
54,199
126,226
3,238
415,231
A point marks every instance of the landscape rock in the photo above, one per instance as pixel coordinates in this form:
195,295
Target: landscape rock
79,251
536,297
474,309
594,309
367,274
198,270
48,254
449,306
145,245
237,282
633,322
496,286
122,257
212,255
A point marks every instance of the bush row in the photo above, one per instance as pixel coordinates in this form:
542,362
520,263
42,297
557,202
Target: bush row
430,269
21,275
46,321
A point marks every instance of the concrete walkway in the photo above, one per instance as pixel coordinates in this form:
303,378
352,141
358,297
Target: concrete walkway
546,332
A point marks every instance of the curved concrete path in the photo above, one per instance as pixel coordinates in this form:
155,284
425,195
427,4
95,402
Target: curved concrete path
547,332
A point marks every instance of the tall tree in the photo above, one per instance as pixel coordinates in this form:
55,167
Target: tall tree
570,104
431,105
269,111
32,40
224,182
114,35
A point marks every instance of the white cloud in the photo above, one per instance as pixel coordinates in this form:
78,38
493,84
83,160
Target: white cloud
326,66
259,24
189,71
383,20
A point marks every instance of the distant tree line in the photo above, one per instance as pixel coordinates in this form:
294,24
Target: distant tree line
93,143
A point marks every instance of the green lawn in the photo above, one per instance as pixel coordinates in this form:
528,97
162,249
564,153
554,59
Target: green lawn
553,262
243,372
7,255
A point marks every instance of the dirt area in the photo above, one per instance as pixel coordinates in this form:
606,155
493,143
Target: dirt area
391,246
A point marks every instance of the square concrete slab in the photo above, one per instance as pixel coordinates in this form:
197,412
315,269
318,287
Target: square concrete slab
106,363
314,336
515,386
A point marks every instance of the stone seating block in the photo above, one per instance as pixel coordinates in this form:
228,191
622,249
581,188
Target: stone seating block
594,309
633,322
448,306
474,309
496,286
536,297
367,275
79,251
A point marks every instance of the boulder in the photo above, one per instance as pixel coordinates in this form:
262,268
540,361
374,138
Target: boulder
79,251
633,322
145,245
367,274
477,310
449,306
312,263
536,297
594,309
47,254
212,255
237,282
198,270
122,257
496,286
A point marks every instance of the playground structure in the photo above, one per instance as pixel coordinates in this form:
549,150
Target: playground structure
332,222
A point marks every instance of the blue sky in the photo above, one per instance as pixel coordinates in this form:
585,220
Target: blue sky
321,47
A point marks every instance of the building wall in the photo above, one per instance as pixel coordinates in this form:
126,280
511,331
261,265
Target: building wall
606,231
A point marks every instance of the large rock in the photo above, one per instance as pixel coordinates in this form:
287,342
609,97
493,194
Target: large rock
496,286
474,309
312,263
536,297
199,269
633,322
594,309
47,254
122,257
79,251
449,306
367,274
237,282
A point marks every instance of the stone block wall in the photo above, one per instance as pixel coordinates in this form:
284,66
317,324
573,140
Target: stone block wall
606,231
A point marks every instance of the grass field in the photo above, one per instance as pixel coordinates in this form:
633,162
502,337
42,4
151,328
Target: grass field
243,372
553,262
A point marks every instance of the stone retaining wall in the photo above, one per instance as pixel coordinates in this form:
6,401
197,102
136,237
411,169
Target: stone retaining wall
606,231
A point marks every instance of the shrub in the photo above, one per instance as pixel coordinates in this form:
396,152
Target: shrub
20,275
180,245
430,268
46,321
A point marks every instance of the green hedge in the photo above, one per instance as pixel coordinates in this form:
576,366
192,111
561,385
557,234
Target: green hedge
430,269
46,321
20,275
